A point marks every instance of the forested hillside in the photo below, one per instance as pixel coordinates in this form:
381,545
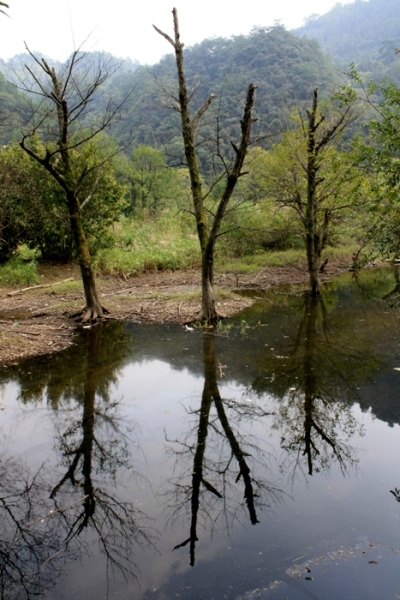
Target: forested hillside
364,32
14,110
284,67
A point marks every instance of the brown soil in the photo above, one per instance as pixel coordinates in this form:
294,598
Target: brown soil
37,320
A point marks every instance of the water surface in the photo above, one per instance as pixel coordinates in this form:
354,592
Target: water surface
153,462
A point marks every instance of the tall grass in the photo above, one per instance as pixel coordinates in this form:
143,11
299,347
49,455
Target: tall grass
169,242
17,271
150,245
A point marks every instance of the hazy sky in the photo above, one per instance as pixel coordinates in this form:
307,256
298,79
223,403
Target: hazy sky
123,27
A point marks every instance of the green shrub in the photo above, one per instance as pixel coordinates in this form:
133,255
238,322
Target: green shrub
18,272
251,228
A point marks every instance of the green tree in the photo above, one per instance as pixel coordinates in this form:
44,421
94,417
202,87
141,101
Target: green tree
207,232
65,97
307,172
382,160
151,182
33,209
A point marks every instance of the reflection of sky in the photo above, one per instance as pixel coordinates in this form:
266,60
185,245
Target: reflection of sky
26,430
317,516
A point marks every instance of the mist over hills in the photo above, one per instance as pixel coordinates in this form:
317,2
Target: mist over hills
365,32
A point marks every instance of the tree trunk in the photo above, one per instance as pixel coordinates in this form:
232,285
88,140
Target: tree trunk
310,218
311,233
93,308
208,311
312,262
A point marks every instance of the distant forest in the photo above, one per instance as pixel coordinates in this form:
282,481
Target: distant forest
285,68
366,33
285,65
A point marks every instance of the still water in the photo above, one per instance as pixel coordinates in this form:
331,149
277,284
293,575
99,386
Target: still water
154,463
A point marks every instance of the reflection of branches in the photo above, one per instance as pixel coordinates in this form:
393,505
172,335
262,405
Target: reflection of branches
317,439
25,549
45,523
396,494
114,520
214,471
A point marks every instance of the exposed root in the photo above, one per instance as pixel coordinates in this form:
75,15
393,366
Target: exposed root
203,322
90,315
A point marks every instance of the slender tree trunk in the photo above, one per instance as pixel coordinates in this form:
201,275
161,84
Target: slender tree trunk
208,312
310,217
94,308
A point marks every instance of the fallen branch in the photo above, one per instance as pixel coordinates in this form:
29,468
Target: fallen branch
29,332
36,287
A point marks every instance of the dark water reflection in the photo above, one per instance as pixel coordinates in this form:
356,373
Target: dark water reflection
261,462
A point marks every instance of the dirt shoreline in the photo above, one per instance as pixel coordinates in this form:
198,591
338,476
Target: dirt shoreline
37,321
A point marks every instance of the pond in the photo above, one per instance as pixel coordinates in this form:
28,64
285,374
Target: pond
262,462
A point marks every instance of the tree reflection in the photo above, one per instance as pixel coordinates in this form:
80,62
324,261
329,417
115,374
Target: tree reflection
394,294
96,446
396,494
222,458
62,379
31,547
48,522
316,380
319,441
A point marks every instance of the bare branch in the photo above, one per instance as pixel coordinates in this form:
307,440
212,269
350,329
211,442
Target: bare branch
5,6
170,40
202,110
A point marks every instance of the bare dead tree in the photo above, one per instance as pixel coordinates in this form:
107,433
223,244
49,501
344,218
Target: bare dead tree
207,232
64,100
5,6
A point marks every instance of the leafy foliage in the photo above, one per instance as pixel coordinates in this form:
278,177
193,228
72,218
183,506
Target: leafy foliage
151,183
14,109
382,160
33,209
281,176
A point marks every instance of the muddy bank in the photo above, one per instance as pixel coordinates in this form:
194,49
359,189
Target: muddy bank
37,320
